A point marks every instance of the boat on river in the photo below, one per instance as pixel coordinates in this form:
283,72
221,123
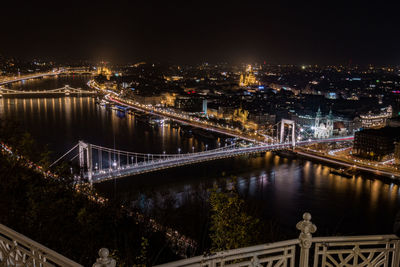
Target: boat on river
341,172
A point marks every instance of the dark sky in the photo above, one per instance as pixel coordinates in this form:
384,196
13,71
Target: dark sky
300,32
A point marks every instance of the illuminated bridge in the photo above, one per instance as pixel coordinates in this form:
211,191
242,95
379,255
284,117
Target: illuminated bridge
101,163
66,90
27,77
14,79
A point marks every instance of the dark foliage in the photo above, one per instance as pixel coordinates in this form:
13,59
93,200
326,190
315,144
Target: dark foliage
53,213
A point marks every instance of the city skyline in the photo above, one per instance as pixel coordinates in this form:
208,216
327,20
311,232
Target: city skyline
199,133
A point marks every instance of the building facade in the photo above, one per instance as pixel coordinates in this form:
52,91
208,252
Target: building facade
323,127
189,104
375,144
397,153
371,120
148,100
248,78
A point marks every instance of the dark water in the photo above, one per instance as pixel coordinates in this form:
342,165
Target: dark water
274,187
62,121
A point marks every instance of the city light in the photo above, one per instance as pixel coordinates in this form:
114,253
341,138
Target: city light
246,123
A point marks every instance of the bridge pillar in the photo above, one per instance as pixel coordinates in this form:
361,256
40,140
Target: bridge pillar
277,131
109,160
82,147
281,139
100,154
90,163
282,131
293,135
85,150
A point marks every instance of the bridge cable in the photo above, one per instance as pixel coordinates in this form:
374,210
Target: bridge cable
115,151
74,157
69,151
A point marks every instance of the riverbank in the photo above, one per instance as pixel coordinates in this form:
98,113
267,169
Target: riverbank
394,177
274,187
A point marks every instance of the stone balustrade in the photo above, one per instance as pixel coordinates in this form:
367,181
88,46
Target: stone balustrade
376,250
305,251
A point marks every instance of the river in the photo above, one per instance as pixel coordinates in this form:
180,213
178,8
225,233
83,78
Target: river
275,188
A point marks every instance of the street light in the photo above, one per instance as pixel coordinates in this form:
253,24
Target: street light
192,149
179,151
206,146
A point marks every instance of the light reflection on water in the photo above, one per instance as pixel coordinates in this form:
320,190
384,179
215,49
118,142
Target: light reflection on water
274,187
280,191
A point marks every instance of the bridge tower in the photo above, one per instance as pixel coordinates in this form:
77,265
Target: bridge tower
85,150
318,118
281,132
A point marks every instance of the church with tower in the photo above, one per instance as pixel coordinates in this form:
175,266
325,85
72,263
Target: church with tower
323,127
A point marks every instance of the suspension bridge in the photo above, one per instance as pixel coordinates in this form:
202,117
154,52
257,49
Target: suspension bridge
67,70
28,76
66,90
100,163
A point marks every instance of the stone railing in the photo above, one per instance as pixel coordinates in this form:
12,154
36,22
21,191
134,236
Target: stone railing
19,250
369,251
378,250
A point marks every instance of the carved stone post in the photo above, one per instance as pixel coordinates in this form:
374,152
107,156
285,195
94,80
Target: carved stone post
396,260
307,228
104,260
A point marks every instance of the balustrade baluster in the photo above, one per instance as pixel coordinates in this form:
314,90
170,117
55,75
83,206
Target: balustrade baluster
307,228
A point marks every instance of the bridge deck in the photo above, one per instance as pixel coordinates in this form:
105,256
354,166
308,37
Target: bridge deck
181,160
64,90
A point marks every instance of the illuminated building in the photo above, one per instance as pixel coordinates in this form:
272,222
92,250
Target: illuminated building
323,128
339,128
240,115
102,70
342,126
205,106
211,112
168,99
138,64
262,119
148,100
189,104
371,120
376,143
248,79
331,95
221,113
279,87
173,78
397,153
393,122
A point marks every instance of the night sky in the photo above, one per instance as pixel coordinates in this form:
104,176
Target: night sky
299,32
